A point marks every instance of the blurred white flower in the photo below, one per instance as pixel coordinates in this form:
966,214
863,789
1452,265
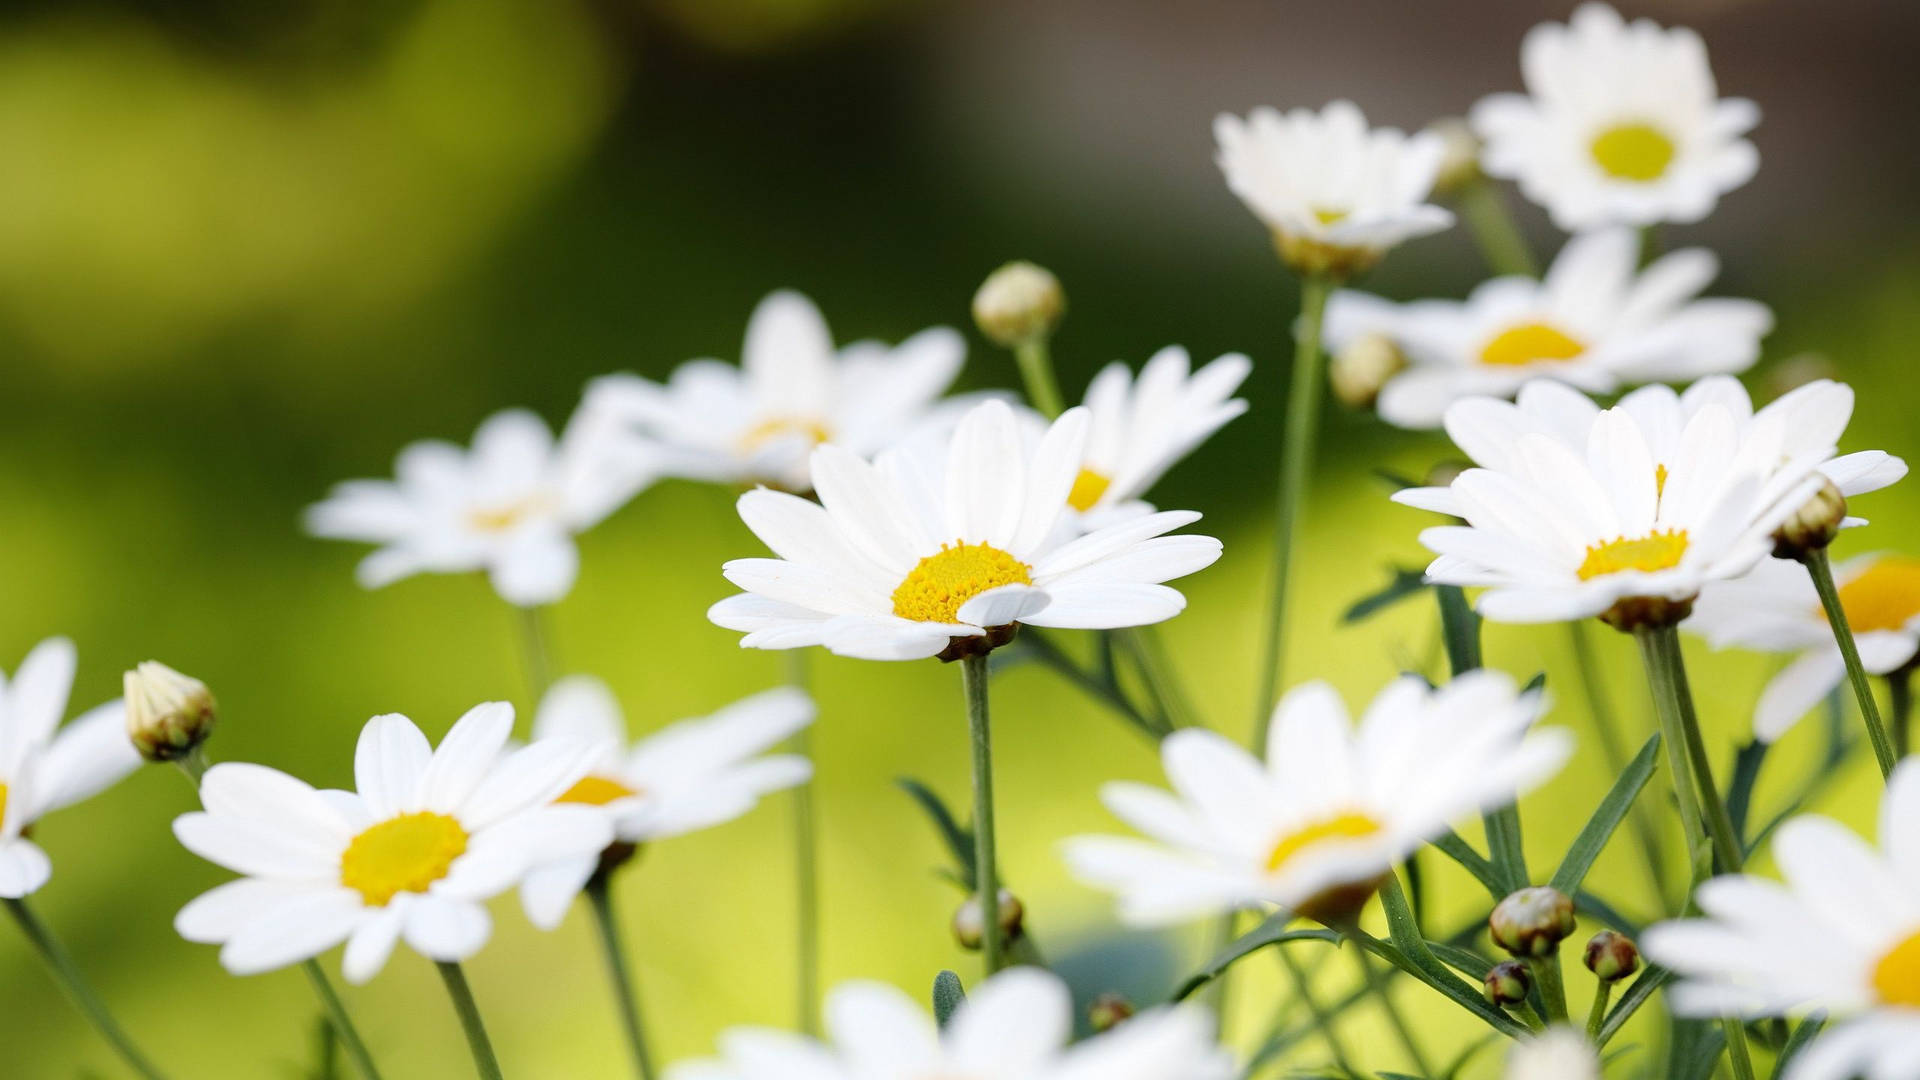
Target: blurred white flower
1621,124
1559,1053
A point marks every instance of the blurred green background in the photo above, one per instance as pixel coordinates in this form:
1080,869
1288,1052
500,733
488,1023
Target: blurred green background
248,250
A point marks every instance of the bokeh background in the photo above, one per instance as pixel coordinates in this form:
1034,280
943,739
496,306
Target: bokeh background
247,250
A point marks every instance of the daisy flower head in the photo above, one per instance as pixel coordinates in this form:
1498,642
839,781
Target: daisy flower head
429,834
45,766
1336,193
1621,124
510,505
1596,322
1559,1053
1013,1026
941,550
758,422
1317,827
1841,934
693,775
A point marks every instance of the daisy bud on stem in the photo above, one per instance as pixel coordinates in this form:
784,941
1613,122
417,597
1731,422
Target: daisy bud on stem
1108,1012
168,714
1813,526
1360,369
1507,983
1533,922
1459,158
1017,308
969,930
1612,956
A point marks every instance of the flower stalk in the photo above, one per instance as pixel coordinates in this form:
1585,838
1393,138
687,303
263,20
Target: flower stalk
1606,724
533,650
973,679
1036,371
606,923
1686,750
485,1064
65,972
1820,568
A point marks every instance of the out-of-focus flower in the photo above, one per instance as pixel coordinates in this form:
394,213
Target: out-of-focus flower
758,422
1317,827
44,766
1559,1053
1018,303
1621,124
429,836
941,552
1596,322
168,714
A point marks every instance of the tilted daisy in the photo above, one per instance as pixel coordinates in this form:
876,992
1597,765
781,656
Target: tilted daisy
1841,935
429,835
757,423
510,506
1013,1026
44,766
695,774
1621,124
1596,321
1336,193
1317,827
921,554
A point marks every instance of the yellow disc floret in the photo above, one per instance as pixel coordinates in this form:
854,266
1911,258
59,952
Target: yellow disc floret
402,854
1886,596
1658,550
1087,489
596,791
812,430
502,518
1634,151
1529,343
1896,978
936,589
1347,826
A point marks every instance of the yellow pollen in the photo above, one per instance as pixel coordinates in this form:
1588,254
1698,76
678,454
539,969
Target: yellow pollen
1659,481
1529,343
1634,151
1884,597
1329,216
1896,978
1658,550
936,589
596,791
1087,489
402,854
3,802
1341,827
499,519
814,431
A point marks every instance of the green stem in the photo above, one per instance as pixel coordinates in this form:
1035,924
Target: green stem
1401,1029
1606,723
484,1063
973,678
1499,237
1596,1016
1553,990
1036,371
1667,674
607,922
533,650
340,1021
1900,696
1460,630
1822,572
67,974
1322,1020
1737,1051
1169,699
806,864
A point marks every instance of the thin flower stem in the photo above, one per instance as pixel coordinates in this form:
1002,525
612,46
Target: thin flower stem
533,650
1460,631
973,679
607,923
1821,571
1495,231
1597,1016
1674,741
1401,1029
806,865
1156,671
1322,1020
1606,723
1553,989
1900,696
67,974
1036,370
1737,1051
340,1021
1672,681
484,1063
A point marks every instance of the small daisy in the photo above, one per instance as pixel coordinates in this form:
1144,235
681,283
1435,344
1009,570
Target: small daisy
43,766
1842,935
693,775
1336,193
429,835
1013,1026
1621,124
510,506
918,554
1596,322
1317,827
1559,1053
757,423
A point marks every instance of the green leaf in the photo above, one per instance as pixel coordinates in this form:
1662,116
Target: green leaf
1638,994
959,840
1460,626
1397,480
1462,960
1506,848
1273,931
948,995
1746,773
1588,904
1411,953
1404,583
1611,812
1455,847
1802,1035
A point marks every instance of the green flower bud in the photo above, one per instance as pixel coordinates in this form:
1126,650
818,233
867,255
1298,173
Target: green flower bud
168,714
1507,983
1460,162
1361,368
1018,303
1109,1011
1532,922
1612,957
968,930
1813,526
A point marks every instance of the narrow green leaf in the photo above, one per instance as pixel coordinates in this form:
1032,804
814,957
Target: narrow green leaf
959,840
1506,848
1460,626
1592,906
1397,480
1273,931
1746,773
1411,953
1403,584
1455,847
1465,961
1803,1034
948,995
1638,994
1611,812
1538,682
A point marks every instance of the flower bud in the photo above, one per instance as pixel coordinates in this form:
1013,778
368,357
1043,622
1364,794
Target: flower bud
1460,158
1444,473
168,714
1362,367
1507,983
968,930
1612,957
1018,303
1813,526
1532,922
1646,612
1108,1012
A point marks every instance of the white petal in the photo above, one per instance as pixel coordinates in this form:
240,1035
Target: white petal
465,755
24,868
295,930
446,930
388,765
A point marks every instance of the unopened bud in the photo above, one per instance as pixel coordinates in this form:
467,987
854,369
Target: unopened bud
1108,1012
1611,956
168,714
1018,303
1460,158
1532,922
1814,525
1632,613
1444,473
1507,983
968,929
1362,367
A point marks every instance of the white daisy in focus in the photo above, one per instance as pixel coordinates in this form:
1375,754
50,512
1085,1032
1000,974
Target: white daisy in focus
44,766
1013,1026
1596,322
510,506
1316,828
1559,1053
428,837
1841,935
1335,193
758,422
693,775
1774,608
1621,124
920,554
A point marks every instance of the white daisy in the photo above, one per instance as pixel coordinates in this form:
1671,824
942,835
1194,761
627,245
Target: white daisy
510,506
1621,124
1336,193
1317,827
1559,1053
1013,1026
695,774
918,553
429,835
1596,322
43,766
1842,935
757,423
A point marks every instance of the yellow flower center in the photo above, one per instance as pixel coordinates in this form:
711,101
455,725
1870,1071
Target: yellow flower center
1087,489
1659,481
1348,826
1896,978
597,791
813,431
935,590
1327,215
1884,597
1658,550
3,802
499,519
1633,151
1529,343
402,854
